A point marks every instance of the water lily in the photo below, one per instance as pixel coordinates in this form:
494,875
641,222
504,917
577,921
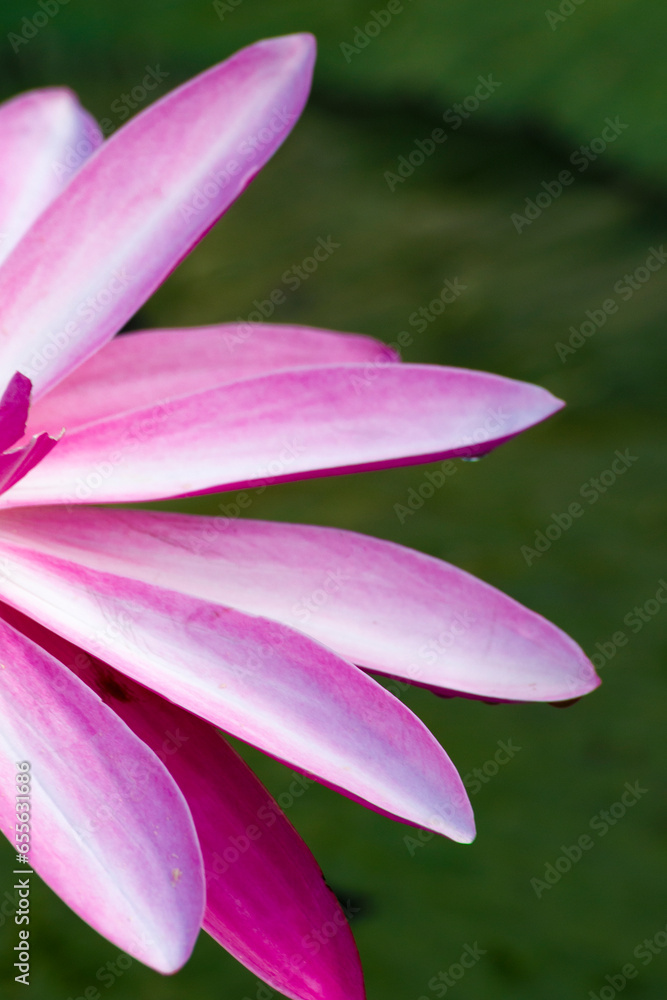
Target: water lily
127,637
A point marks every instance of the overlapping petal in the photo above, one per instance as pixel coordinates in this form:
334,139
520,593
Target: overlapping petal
266,899
14,406
110,831
157,365
46,137
288,425
200,622
140,204
383,606
257,679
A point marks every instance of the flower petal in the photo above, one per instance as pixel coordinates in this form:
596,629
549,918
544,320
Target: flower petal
14,407
140,204
385,607
14,465
13,416
46,136
265,894
109,828
266,898
259,680
154,365
288,425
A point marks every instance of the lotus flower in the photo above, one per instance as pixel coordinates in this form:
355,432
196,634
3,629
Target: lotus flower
129,637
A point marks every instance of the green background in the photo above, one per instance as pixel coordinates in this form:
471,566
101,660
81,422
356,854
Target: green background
560,77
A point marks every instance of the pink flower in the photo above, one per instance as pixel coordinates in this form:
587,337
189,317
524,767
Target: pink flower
127,636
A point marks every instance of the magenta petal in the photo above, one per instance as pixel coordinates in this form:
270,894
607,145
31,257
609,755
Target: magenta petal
264,897
151,366
46,137
288,425
14,407
13,415
14,465
259,680
385,607
110,831
140,204
265,893
267,900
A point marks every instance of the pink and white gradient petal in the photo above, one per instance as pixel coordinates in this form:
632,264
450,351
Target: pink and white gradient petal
266,896
46,137
150,366
141,203
110,831
261,681
292,424
385,607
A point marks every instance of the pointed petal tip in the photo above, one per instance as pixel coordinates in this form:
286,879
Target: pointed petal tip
467,835
556,402
169,962
545,405
303,41
458,826
300,46
584,681
453,819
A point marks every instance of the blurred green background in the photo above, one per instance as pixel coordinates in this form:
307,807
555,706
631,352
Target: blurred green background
559,73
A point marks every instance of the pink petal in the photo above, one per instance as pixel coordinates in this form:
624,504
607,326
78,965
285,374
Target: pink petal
288,425
46,137
14,407
140,204
267,901
265,894
383,606
156,365
259,680
110,831
13,415
14,465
